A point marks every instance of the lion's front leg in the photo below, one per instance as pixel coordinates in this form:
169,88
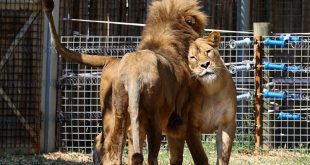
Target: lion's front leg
193,140
224,140
98,149
114,143
176,141
115,139
176,146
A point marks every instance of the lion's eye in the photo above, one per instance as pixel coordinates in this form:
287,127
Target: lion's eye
192,57
207,52
190,20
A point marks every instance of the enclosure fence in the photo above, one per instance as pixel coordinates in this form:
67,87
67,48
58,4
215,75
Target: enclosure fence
20,76
78,113
284,90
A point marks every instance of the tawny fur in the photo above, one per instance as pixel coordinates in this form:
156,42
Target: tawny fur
81,58
214,102
152,82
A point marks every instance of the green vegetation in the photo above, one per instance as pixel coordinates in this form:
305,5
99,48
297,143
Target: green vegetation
244,155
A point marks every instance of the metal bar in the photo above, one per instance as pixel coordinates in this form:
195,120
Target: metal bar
243,15
18,115
259,53
17,39
49,76
141,25
18,1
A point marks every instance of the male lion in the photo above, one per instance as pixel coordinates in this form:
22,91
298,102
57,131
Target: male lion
215,101
150,84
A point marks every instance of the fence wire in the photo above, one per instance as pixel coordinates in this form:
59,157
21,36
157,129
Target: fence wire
79,115
287,109
20,76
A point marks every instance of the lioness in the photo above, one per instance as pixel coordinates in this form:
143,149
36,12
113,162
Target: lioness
215,100
150,83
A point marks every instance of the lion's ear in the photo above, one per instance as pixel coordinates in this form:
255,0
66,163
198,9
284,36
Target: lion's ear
214,38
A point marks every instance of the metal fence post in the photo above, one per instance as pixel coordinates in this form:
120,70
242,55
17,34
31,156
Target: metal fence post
49,79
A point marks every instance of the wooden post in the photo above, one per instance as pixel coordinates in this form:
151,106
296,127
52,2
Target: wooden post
260,29
258,91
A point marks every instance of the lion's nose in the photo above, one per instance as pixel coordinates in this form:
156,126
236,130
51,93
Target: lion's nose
205,65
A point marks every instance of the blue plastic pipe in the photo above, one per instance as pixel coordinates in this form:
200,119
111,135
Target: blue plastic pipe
278,95
271,66
288,37
283,115
294,67
295,95
270,42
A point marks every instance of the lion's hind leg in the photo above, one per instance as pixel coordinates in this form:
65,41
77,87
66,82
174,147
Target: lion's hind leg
133,109
154,133
224,141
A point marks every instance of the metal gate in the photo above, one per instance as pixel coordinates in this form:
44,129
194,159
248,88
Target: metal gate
20,75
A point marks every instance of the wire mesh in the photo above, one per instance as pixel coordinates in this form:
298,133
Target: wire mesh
79,113
109,10
20,75
244,81
76,79
286,118
286,16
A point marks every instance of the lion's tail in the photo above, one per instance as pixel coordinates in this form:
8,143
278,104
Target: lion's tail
86,59
133,105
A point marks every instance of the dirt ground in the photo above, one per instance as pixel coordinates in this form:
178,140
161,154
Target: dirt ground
55,158
59,158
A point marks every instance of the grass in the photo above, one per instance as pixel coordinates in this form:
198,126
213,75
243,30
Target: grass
242,155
